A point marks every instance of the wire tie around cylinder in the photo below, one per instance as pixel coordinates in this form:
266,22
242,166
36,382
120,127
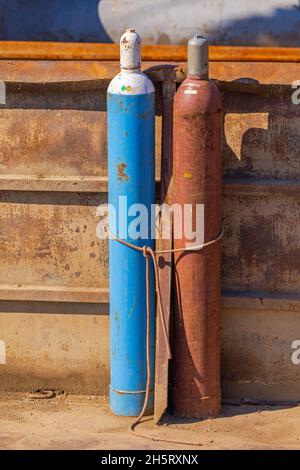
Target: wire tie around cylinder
145,251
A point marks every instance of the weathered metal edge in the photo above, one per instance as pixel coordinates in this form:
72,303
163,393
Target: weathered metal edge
230,300
46,293
44,50
93,184
240,76
261,301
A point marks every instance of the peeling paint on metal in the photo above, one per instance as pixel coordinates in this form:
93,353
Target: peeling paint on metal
121,172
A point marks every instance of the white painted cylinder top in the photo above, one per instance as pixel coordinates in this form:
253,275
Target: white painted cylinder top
130,51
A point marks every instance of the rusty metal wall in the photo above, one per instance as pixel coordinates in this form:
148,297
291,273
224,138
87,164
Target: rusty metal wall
261,204
53,277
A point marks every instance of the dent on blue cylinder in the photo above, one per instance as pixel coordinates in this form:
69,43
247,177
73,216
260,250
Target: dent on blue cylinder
131,173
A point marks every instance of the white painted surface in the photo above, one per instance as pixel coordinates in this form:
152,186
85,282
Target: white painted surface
136,83
130,50
271,22
130,81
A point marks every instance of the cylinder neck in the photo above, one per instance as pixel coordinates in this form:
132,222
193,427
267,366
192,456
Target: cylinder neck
198,57
130,52
197,77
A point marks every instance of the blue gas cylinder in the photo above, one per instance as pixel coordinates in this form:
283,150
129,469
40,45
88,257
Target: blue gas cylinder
131,187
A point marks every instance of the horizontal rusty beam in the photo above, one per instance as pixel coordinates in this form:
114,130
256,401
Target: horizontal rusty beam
94,184
239,76
230,300
54,293
261,301
254,54
91,184
261,187
35,50
80,73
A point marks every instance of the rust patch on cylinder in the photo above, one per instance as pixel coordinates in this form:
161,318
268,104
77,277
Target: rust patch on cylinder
121,172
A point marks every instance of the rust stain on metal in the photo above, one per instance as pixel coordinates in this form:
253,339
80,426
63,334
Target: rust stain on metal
121,172
41,247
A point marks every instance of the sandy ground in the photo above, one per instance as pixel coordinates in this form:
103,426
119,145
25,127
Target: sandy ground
77,422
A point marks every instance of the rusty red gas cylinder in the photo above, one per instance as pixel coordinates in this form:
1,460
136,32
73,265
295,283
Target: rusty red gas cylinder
197,168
